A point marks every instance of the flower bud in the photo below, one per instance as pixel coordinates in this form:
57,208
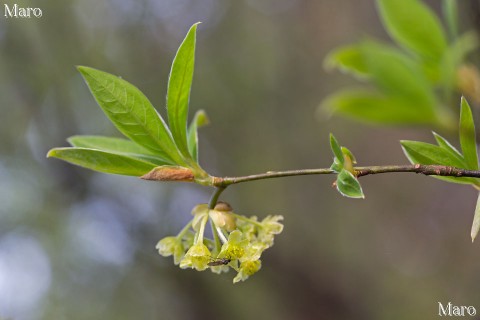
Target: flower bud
272,225
223,219
166,246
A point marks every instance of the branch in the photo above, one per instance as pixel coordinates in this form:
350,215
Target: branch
429,170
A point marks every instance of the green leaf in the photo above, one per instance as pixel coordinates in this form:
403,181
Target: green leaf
467,136
348,185
374,107
178,94
117,146
476,220
347,153
109,144
337,150
444,144
426,153
348,59
102,161
132,113
414,26
398,75
199,120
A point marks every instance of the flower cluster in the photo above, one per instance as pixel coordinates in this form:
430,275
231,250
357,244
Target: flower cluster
238,241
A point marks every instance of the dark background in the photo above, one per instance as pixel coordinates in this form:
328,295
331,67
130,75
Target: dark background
75,244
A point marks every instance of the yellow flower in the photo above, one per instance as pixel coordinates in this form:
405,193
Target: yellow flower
247,268
197,257
235,247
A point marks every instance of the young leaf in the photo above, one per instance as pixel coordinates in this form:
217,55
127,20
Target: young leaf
199,120
348,59
444,144
426,153
336,149
467,136
117,146
102,161
178,94
348,154
414,26
348,185
476,220
132,113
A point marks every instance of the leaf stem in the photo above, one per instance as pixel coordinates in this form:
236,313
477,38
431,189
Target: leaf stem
429,170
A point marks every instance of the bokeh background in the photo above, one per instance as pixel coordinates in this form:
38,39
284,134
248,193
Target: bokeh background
75,244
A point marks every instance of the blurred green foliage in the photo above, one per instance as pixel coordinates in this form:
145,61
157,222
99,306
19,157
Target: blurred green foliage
413,83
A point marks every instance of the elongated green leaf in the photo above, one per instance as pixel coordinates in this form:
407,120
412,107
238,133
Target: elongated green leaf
444,144
199,120
178,94
117,146
374,107
132,113
348,185
476,220
398,74
107,144
414,26
348,59
426,153
336,149
467,136
102,161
